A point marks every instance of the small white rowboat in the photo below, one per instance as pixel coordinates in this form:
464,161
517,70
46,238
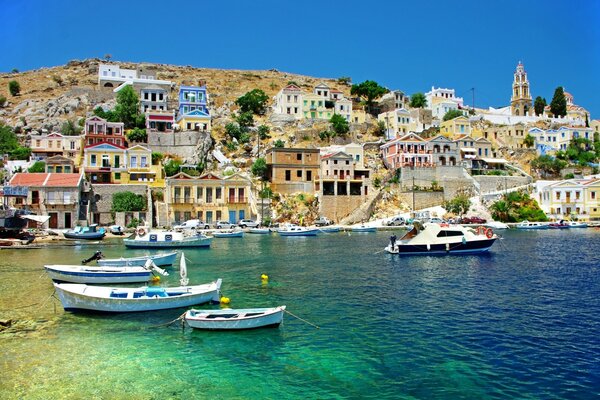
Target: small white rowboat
229,319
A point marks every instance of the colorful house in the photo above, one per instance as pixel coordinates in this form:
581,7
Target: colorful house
407,151
98,130
104,163
443,150
56,144
193,108
456,126
59,164
292,170
398,123
209,197
314,107
140,169
160,121
153,97
570,199
288,101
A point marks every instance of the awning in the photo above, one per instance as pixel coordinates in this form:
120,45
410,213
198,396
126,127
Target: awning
495,160
468,150
37,218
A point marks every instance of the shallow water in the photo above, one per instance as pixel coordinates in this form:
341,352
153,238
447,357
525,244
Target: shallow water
519,322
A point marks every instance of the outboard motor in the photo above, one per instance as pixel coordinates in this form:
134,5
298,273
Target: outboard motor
97,256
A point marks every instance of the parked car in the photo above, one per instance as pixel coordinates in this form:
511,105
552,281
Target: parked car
396,221
192,224
224,225
323,221
473,220
247,223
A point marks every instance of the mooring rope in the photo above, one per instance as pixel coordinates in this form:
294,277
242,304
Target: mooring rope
29,305
301,319
181,317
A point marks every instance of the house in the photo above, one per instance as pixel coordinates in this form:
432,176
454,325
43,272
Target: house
52,194
196,120
343,107
208,197
193,109
160,121
510,135
422,119
407,151
140,169
153,97
455,126
570,199
443,150
292,170
56,144
553,140
59,164
439,95
393,100
314,106
398,123
104,163
595,125
113,76
289,101
98,130
439,109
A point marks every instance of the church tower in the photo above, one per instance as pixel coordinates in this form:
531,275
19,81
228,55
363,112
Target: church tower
520,101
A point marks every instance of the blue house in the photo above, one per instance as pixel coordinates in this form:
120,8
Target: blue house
192,98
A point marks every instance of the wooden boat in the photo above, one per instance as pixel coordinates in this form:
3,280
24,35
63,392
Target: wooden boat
364,229
433,239
259,231
85,233
295,230
330,229
230,234
85,274
229,319
531,225
74,296
160,259
146,239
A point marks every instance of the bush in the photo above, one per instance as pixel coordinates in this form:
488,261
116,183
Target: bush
38,166
263,132
137,135
128,201
70,128
157,157
279,143
134,223
172,167
14,88
2,101
570,175
339,124
254,101
233,130
259,168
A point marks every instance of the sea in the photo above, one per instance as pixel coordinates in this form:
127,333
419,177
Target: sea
521,322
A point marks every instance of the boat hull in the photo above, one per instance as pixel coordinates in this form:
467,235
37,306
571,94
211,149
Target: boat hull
310,232
330,229
74,297
98,275
85,236
259,231
147,244
471,247
158,259
270,319
364,230
228,234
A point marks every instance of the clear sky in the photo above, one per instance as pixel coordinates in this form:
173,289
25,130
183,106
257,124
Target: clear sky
406,45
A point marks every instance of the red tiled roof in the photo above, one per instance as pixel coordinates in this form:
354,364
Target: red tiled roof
45,179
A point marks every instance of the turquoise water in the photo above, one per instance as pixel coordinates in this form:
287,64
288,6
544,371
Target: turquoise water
520,322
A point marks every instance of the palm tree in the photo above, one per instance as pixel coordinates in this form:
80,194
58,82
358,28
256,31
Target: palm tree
500,210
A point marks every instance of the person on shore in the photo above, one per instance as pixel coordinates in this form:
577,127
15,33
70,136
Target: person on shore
393,240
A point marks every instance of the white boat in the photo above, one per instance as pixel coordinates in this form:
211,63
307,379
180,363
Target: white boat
229,234
364,229
575,224
295,230
434,239
259,231
148,239
531,225
229,319
85,274
160,259
330,229
74,296
496,225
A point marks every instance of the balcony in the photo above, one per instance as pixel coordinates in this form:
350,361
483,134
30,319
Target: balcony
237,200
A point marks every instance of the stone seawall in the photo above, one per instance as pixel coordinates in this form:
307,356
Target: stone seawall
103,197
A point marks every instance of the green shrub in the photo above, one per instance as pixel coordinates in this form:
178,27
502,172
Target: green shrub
38,166
279,143
14,88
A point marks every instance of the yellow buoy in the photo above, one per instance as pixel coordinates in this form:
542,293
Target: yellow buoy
264,277
155,279
225,300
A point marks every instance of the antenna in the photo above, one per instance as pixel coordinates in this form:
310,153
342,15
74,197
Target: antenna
473,90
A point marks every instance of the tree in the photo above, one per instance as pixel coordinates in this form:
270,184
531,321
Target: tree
137,135
38,166
8,139
259,168
233,130
538,106
110,115
263,132
587,121
339,124
547,165
254,101
157,157
245,119
451,114
370,90
172,167
344,80
529,141
127,108
70,128
14,88
279,143
459,205
418,100
558,105
128,201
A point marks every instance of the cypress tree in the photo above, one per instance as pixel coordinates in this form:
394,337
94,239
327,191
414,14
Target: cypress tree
558,105
538,105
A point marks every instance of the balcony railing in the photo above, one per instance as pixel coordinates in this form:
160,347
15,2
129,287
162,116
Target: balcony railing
237,200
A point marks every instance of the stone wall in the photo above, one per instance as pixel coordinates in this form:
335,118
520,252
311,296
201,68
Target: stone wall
422,199
490,183
337,207
184,144
103,195
451,178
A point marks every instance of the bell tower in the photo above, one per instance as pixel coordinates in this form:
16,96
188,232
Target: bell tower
520,101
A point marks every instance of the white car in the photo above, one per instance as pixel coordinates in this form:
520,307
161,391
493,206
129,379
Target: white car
247,223
223,225
193,224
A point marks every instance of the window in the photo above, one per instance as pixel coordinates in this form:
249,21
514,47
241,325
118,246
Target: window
593,195
347,162
299,173
133,161
557,195
199,193
299,156
218,194
144,162
93,160
309,175
117,176
117,161
288,175
105,160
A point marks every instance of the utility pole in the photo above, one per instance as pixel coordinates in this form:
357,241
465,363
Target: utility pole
473,90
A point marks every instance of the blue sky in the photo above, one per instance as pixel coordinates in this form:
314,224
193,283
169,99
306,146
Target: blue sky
402,45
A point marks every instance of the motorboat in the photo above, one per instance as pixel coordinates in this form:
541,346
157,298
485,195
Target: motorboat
431,239
363,229
87,274
75,296
531,225
160,259
330,229
558,225
496,225
151,239
229,234
259,231
230,319
116,230
295,230
91,232
576,224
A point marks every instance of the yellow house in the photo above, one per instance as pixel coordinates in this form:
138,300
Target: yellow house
456,126
571,199
359,116
140,169
208,197
398,123
196,120
104,163
313,107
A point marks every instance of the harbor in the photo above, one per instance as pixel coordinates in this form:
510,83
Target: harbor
502,324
